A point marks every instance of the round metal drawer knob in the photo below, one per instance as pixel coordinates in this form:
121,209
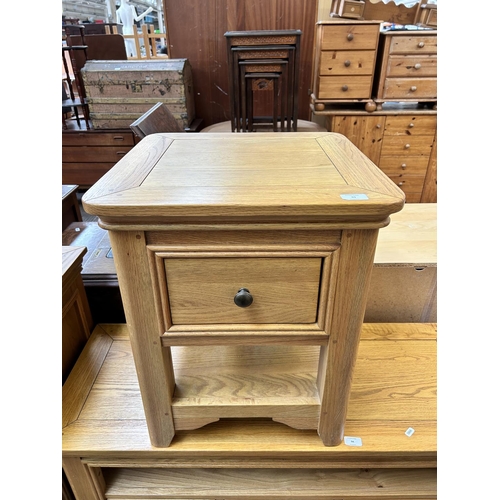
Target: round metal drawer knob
350,36
417,66
345,88
243,298
421,44
407,146
411,125
403,165
413,88
347,63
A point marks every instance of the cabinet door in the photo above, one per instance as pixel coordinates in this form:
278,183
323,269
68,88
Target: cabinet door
365,132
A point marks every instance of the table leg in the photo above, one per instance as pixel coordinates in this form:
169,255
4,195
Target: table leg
152,361
338,358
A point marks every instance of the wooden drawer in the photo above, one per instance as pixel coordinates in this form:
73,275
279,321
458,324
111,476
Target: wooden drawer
347,62
419,145
90,154
413,44
410,88
118,138
345,87
350,37
411,165
412,66
202,290
410,125
409,183
84,174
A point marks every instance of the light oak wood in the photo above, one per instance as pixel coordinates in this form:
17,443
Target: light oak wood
181,292
107,451
77,320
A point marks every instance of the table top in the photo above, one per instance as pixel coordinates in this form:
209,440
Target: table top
258,177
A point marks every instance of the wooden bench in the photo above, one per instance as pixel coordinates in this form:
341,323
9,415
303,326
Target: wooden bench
390,448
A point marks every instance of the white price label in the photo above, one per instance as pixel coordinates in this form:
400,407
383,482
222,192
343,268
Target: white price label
354,197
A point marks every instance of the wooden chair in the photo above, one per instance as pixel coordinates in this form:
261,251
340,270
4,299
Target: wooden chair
157,119
74,102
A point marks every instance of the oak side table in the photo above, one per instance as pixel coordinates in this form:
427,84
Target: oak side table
260,241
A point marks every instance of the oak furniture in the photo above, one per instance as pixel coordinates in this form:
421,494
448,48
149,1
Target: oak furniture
345,54
244,239
402,287
157,119
77,323
406,67
400,139
70,206
106,451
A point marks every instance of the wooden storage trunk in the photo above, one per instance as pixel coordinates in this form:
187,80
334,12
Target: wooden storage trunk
119,92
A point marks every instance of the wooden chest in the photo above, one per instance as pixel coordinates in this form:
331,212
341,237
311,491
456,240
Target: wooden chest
119,92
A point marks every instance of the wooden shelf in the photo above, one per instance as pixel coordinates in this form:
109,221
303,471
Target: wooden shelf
261,483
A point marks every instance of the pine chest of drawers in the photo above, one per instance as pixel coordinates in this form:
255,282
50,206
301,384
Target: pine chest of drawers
406,67
344,62
252,240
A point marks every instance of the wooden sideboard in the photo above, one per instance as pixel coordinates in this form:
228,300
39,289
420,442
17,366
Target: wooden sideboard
88,154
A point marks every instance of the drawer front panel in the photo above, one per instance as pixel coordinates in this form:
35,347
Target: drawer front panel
90,154
409,165
341,62
413,44
412,66
410,183
410,88
404,146
350,37
93,139
410,125
202,290
342,87
84,174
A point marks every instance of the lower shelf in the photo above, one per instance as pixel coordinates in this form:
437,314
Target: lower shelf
277,382
331,484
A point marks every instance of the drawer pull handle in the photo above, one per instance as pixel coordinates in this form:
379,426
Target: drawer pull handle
407,146
345,88
118,138
417,66
421,44
403,165
350,36
121,153
400,183
243,298
411,125
347,63
413,88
